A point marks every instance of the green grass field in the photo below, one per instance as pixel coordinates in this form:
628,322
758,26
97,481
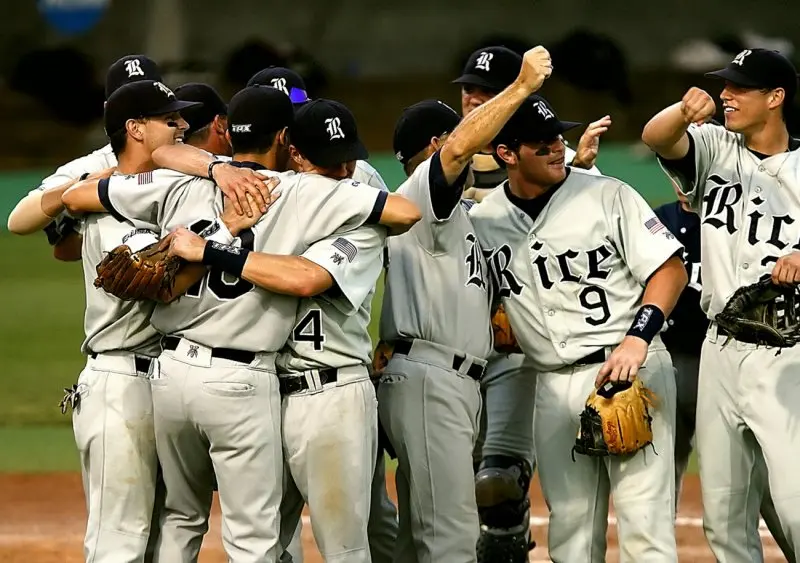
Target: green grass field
42,315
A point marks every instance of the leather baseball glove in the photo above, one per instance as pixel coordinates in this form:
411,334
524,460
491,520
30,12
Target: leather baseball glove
504,340
763,313
147,274
616,420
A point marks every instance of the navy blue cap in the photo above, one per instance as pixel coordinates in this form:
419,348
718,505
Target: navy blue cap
130,68
258,110
200,116
760,68
534,121
284,79
325,132
144,98
419,123
493,68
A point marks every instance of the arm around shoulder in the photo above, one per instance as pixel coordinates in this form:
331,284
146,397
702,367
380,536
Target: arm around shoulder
399,214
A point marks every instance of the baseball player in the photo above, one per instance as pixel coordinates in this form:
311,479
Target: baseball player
208,123
683,337
292,84
113,411
436,319
41,208
741,179
586,274
504,452
229,393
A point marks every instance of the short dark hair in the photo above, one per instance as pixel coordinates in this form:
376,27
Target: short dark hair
118,140
199,135
250,143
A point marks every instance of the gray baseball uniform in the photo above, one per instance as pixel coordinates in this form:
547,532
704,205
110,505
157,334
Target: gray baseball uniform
216,399
113,421
330,416
745,407
436,314
571,294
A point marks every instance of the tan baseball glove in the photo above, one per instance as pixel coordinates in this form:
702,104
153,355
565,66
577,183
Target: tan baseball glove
147,274
616,420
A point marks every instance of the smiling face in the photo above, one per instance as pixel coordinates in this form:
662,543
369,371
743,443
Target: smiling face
541,163
163,130
747,109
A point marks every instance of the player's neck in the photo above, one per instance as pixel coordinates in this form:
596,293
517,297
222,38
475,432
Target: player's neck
213,145
771,138
526,190
135,162
268,159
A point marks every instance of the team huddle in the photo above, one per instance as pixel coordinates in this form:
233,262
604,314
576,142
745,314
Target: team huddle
231,253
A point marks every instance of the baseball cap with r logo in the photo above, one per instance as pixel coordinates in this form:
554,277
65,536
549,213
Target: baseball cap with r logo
760,68
325,132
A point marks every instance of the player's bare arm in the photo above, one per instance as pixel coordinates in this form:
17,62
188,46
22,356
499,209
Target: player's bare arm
480,126
288,275
83,197
666,133
234,182
399,214
68,249
38,209
589,143
660,295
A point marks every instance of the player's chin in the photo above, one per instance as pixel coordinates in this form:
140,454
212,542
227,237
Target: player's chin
557,169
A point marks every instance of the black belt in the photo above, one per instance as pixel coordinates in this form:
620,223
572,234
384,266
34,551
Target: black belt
171,343
296,383
596,357
141,363
475,371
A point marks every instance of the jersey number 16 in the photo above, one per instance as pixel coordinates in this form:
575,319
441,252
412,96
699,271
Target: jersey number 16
222,288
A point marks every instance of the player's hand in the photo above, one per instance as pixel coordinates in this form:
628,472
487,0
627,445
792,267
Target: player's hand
787,270
236,183
184,243
101,174
236,222
697,106
624,362
589,144
536,68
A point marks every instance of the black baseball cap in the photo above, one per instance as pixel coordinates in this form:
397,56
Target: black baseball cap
418,123
325,132
259,110
760,68
130,68
200,116
494,68
534,121
284,79
145,98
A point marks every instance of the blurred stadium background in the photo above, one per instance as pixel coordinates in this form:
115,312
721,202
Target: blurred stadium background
611,56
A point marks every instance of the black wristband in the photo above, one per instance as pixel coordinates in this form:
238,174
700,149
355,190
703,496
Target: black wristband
83,176
648,322
211,166
229,259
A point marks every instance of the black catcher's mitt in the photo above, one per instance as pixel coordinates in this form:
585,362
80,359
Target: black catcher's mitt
763,313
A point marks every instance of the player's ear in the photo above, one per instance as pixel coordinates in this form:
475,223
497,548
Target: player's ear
295,154
283,137
776,98
135,129
505,154
220,125
228,137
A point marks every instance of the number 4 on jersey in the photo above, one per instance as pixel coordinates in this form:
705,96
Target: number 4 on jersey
309,329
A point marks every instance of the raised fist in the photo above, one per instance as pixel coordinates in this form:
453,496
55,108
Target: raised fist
697,106
536,67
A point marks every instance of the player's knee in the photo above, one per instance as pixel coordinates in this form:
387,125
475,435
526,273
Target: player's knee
501,491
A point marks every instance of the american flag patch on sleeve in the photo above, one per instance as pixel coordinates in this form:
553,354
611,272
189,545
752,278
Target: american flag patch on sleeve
654,225
346,247
144,178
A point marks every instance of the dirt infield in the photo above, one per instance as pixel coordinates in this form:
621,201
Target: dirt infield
43,518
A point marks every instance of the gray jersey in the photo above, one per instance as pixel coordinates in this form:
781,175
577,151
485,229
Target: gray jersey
223,311
331,329
572,279
749,210
436,282
110,323
366,174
